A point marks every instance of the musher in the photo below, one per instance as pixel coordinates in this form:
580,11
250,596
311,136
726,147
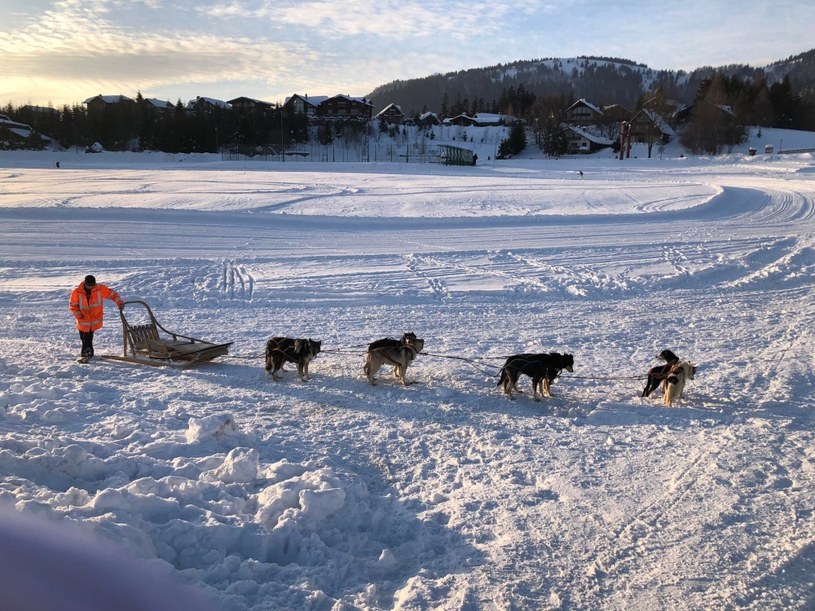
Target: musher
86,306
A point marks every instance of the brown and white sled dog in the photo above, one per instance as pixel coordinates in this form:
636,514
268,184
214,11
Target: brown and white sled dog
675,382
285,349
542,368
382,352
407,338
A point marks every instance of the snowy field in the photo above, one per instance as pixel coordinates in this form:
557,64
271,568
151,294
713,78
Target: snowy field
333,494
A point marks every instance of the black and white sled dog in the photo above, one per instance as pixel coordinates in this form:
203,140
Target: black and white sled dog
657,375
388,351
543,368
280,350
681,372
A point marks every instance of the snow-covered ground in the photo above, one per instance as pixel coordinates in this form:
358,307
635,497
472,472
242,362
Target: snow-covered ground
443,494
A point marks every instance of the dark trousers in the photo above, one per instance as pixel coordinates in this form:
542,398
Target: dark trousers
87,343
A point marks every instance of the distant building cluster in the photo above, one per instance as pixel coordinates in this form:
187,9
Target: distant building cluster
583,127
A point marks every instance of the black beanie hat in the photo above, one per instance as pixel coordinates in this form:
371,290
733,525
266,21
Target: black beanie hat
90,280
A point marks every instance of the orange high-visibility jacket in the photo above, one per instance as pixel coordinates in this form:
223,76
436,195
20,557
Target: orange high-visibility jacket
89,312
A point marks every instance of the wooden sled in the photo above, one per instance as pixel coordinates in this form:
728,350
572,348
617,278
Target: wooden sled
149,343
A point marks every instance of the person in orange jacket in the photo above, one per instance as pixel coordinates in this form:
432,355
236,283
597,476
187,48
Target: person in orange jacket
86,306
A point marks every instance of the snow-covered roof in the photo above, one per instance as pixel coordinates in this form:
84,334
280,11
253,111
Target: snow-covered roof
727,108
361,100
390,107
584,102
602,140
211,101
462,116
161,104
109,99
491,118
14,126
313,100
40,109
248,99
660,123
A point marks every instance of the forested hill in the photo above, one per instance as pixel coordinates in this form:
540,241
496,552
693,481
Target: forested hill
602,80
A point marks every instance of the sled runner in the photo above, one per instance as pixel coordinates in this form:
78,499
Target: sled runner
149,343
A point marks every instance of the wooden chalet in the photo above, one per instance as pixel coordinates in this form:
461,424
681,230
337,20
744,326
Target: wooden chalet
461,120
583,113
303,104
392,114
345,107
247,104
40,110
21,130
160,106
648,126
100,103
427,119
583,142
207,105
615,113
487,119
683,115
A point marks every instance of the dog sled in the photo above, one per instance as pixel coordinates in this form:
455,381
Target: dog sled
149,343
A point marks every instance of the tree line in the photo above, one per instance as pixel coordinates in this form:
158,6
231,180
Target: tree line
140,126
721,109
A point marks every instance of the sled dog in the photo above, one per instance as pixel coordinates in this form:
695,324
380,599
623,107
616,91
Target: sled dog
399,356
395,343
542,368
658,374
675,382
284,349
389,341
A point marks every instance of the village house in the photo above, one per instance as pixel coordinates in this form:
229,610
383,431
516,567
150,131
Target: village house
40,110
207,105
345,107
101,103
648,126
304,105
426,119
582,141
391,114
583,113
616,113
487,119
160,106
243,104
14,133
461,120
20,129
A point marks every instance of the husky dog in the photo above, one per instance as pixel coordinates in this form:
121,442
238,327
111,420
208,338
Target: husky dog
675,382
658,374
389,341
394,343
283,349
542,368
400,356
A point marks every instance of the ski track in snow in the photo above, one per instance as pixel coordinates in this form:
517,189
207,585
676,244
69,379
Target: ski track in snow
443,494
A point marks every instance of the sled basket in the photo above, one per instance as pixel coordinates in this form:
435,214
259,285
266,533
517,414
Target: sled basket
149,343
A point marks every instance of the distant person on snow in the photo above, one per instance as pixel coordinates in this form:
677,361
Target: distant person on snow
86,306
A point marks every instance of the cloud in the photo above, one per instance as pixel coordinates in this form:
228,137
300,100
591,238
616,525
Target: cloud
76,44
327,47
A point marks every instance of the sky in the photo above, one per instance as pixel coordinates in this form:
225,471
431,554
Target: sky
65,51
